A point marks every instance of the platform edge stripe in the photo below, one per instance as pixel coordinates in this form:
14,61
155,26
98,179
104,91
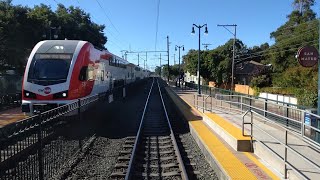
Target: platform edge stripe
229,127
227,154
221,173
227,173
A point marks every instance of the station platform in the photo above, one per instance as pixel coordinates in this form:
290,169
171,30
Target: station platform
11,115
234,156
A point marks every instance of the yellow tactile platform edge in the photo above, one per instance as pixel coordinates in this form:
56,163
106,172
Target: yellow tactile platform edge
233,166
227,126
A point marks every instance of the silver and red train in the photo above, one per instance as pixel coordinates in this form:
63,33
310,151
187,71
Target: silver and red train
59,72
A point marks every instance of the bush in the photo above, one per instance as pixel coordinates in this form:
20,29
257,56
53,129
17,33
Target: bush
260,81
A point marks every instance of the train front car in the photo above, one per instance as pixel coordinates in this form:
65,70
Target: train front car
55,75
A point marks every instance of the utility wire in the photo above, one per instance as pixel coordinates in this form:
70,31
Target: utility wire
110,32
250,57
272,48
97,37
293,26
157,24
286,41
107,16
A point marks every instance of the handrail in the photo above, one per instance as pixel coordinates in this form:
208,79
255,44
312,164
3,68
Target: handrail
243,121
285,145
279,115
295,134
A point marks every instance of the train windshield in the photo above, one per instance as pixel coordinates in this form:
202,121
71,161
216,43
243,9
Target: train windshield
49,69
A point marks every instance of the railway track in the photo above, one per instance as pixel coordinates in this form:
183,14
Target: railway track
153,153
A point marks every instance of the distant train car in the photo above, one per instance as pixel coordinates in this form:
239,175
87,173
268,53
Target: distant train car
60,71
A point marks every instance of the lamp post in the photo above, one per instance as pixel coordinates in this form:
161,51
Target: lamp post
179,60
234,42
205,32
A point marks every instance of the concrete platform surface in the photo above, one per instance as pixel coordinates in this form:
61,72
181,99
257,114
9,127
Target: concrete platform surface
227,162
269,151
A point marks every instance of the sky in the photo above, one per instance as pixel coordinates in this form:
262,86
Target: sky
132,24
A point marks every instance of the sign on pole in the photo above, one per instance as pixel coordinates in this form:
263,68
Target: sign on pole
308,56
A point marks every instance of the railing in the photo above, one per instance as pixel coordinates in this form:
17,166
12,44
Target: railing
285,144
37,147
289,115
286,117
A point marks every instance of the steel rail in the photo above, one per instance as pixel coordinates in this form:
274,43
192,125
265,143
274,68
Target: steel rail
176,148
128,174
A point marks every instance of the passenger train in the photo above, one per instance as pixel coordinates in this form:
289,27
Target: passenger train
59,72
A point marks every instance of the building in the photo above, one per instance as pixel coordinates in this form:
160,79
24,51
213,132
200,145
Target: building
245,71
188,77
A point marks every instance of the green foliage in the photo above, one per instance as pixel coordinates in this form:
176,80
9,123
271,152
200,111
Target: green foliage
260,81
22,27
215,65
173,69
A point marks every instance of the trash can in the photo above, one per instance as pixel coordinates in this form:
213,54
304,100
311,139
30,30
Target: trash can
310,120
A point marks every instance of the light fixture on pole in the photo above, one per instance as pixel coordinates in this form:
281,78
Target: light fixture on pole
233,54
179,61
193,32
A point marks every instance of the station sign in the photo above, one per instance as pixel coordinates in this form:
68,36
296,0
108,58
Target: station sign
308,56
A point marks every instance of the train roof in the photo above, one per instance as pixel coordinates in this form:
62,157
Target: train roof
49,46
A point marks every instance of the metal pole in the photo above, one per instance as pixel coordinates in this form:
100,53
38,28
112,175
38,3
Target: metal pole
146,59
40,155
179,67
234,42
50,32
138,59
285,155
318,109
198,73
160,65
168,57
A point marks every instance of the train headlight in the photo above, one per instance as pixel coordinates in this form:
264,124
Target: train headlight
63,94
29,94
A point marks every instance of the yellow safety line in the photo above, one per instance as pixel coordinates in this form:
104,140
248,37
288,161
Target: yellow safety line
230,163
227,126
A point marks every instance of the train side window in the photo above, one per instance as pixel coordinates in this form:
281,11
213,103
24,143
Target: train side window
90,73
102,75
83,73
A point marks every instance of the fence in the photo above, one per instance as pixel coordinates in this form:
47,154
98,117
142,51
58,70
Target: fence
10,100
40,146
289,115
292,150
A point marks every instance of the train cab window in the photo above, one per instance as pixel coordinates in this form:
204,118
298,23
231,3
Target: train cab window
83,73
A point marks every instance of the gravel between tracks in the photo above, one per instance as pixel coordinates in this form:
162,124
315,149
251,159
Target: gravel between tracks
112,129
112,123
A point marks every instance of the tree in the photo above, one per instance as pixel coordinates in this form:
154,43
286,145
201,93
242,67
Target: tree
22,27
